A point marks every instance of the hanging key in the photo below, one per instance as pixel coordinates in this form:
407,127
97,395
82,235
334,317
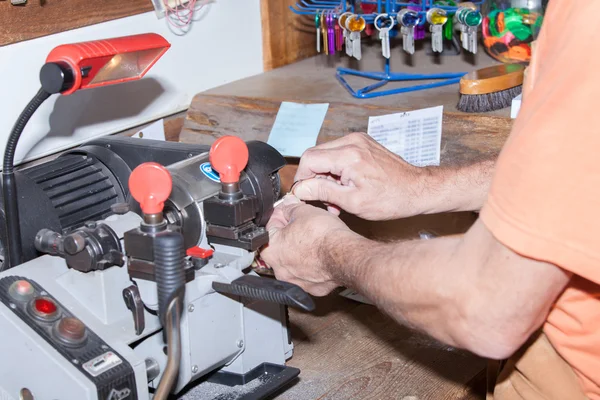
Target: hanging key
356,24
461,27
437,18
346,32
468,20
330,33
408,20
324,32
387,23
318,26
339,40
472,21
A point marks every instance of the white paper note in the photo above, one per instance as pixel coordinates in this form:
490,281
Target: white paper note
297,127
415,135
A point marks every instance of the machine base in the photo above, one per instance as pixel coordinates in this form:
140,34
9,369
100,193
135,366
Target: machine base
260,383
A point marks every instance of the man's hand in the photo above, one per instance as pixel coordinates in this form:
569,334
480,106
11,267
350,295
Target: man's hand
297,232
360,176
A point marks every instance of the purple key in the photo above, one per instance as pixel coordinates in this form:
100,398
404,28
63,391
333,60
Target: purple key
419,33
331,32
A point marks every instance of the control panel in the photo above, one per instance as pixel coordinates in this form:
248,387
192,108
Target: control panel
110,372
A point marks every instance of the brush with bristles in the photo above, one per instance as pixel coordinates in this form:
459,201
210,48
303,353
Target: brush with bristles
491,88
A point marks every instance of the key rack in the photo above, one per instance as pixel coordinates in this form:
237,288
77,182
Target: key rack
340,24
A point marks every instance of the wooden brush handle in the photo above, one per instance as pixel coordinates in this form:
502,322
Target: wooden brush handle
492,79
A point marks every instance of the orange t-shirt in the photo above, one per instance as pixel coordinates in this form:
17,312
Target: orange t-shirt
544,202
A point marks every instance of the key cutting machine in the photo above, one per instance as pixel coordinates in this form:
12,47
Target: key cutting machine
126,270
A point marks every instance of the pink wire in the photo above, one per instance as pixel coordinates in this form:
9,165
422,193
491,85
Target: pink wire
179,12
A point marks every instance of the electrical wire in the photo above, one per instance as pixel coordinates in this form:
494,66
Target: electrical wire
9,186
182,14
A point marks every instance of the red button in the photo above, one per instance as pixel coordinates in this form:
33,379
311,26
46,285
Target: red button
198,252
45,306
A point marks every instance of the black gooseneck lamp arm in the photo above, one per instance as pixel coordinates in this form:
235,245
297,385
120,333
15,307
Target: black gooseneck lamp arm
55,78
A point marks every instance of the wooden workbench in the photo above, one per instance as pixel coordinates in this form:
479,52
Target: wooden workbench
348,350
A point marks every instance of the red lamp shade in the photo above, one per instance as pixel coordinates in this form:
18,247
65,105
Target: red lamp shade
105,62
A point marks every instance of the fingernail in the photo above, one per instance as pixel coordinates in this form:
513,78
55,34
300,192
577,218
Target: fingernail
300,191
287,199
294,186
290,199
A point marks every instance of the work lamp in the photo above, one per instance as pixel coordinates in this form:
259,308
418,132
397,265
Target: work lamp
69,68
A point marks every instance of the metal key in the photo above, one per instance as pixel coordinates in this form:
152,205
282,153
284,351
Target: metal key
339,45
408,19
468,21
472,20
318,26
330,33
356,24
384,33
324,32
472,39
437,18
345,32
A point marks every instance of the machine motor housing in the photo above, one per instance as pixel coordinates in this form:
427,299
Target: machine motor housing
89,183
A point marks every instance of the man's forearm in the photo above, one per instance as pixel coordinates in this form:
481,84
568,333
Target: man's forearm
467,290
403,279
457,188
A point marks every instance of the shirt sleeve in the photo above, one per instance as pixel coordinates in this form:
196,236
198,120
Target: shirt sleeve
544,202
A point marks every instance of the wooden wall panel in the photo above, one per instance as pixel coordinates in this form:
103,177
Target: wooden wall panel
287,37
44,17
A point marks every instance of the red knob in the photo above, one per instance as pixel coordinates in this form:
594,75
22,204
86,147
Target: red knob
229,156
150,184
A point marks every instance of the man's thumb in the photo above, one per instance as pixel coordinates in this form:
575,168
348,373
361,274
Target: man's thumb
318,189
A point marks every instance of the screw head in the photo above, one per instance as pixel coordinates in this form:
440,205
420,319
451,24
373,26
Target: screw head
240,343
219,265
194,369
74,243
120,208
90,224
191,308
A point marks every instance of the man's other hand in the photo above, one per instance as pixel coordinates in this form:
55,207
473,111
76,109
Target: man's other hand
297,233
360,176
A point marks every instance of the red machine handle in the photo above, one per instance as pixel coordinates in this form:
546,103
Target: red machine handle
229,156
150,185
